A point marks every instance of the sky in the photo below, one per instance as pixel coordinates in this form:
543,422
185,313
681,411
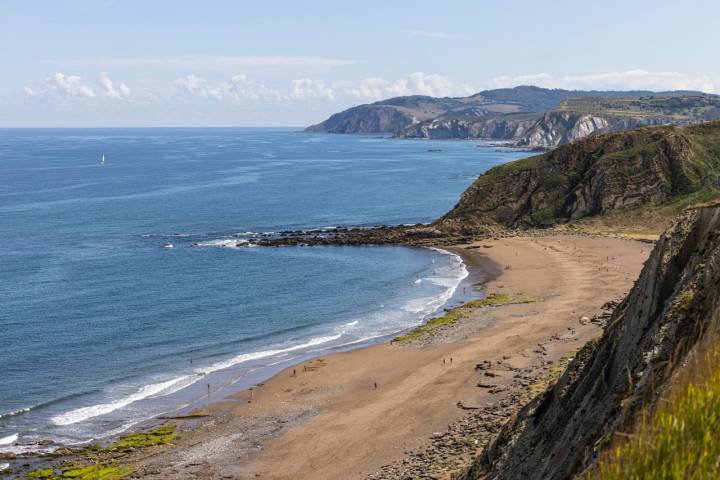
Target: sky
85,63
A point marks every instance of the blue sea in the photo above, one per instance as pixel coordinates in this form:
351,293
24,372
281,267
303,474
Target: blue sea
124,295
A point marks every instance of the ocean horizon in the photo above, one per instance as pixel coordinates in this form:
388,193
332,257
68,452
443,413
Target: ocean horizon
132,290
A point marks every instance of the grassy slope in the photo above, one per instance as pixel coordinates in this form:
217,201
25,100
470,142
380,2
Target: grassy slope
680,440
671,108
696,181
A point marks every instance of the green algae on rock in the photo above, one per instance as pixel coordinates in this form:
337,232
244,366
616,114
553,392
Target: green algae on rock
453,315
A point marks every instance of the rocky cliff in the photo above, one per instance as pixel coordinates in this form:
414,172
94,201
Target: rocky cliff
399,115
593,176
581,117
674,305
506,127
524,116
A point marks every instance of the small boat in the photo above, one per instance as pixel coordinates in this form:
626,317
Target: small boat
102,160
168,245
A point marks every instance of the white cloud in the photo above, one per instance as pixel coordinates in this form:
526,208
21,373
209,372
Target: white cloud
628,80
223,63
197,86
69,85
61,86
109,90
423,33
371,87
307,89
417,83
239,87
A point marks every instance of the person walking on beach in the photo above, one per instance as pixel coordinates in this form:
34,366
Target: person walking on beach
375,383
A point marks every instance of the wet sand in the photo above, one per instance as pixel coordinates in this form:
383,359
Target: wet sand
387,410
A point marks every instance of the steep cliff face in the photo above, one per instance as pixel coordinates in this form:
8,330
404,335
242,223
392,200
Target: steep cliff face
674,305
395,115
507,127
555,128
593,176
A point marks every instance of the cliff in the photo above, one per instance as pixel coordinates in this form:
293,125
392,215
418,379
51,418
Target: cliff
673,307
399,115
581,117
594,176
508,127
387,116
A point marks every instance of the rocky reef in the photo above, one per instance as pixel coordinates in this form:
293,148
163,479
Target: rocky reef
673,307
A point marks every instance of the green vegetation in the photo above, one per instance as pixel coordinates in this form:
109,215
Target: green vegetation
99,463
189,416
680,440
499,299
679,108
452,316
157,436
41,474
83,472
647,172
707,194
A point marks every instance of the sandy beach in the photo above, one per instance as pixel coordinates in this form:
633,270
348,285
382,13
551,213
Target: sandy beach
398,409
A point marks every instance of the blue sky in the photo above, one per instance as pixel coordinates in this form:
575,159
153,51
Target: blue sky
291,63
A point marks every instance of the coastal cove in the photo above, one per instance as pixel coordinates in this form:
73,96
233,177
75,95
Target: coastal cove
126,295
399,408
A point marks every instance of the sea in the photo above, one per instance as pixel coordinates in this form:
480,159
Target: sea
128,289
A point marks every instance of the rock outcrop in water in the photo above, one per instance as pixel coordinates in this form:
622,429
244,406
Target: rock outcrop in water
674,305
644,168
593,176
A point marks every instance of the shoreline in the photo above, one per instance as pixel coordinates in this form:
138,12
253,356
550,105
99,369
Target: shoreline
329,411
383,410
257,376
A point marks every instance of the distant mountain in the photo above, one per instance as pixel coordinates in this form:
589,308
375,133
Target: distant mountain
524,116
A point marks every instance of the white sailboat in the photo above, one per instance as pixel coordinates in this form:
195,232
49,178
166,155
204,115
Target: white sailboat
102,160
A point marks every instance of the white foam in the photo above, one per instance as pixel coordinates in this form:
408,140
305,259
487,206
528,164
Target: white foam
450,277
456,273
16,412
245,357
155,389
4,466
419,280
223,243
442,281
9,439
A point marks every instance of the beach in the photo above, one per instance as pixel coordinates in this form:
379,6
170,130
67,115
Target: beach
394,408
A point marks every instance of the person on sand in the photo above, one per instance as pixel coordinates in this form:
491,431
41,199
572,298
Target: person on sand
375,383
